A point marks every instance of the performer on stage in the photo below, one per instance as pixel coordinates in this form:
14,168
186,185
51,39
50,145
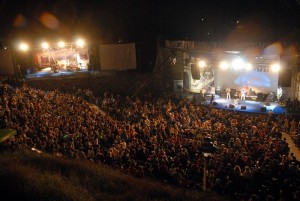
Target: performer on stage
203,91
243,94
228,93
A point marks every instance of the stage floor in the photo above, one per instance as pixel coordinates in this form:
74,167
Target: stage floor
48,72
246,105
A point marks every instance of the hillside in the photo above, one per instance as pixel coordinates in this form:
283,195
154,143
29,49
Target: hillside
28,176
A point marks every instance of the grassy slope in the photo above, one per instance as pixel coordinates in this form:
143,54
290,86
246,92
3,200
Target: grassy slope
31,176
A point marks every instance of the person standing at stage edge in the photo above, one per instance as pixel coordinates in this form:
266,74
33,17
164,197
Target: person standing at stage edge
228,93
243,94
203,91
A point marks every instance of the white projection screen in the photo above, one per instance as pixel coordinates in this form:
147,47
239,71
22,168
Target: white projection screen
119,57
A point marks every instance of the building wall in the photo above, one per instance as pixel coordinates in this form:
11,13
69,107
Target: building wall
294,62
6,62
118,57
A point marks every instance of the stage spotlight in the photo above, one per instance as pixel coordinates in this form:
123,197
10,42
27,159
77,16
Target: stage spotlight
45,45
173,59
248,66
23,47
201,64
224,65
238,63
61,44
275,68
80,43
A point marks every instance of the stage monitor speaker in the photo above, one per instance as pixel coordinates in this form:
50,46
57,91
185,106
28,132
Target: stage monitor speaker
267,104
231,106
243,107
195,71
263,109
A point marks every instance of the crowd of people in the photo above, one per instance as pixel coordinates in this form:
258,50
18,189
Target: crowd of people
158,137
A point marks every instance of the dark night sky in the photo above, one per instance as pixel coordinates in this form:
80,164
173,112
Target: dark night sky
143,20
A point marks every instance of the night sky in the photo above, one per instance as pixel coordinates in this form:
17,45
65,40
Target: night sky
141,20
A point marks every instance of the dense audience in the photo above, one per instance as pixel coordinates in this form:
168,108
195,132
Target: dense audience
158,137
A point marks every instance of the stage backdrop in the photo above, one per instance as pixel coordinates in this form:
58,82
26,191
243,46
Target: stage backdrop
68,56
118,56
264,82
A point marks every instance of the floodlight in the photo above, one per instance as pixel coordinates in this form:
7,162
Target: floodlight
61,44
80,43
23,47
232,52
45,45
224,65
248,66
202,64
275,68
238,63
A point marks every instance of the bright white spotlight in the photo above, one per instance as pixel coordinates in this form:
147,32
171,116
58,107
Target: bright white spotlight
238,63
248,66
61,44
224,65
80,43
232,52
275,68
45,45
201,64
23,47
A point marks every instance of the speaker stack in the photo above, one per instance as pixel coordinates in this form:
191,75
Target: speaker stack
263,109
195,71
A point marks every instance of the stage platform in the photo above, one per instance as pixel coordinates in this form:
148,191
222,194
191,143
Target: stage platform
252,106
48,72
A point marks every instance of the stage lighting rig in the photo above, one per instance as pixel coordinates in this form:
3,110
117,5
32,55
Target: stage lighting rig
173,58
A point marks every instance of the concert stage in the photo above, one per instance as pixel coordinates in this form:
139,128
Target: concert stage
245,105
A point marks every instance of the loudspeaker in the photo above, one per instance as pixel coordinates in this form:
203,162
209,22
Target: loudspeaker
267,104
263,109
243,107
187,61
285,77
195,71
231,106
215,103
